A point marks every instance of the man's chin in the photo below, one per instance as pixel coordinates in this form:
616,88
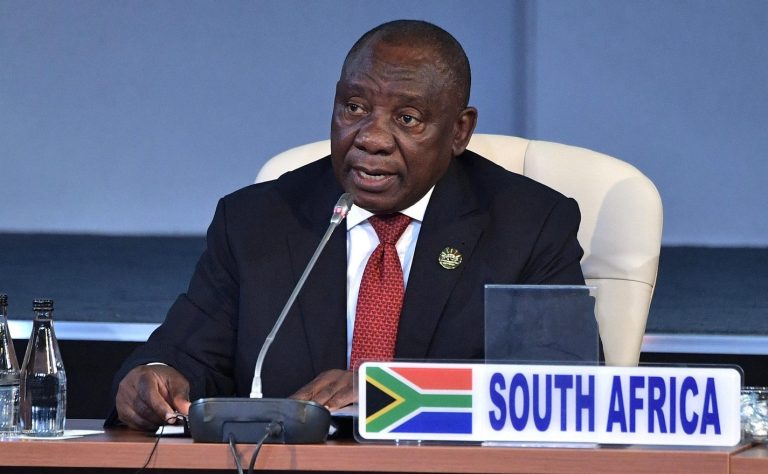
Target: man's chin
375,203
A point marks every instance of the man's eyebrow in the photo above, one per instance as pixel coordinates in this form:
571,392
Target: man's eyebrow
351,88
404,98
412,98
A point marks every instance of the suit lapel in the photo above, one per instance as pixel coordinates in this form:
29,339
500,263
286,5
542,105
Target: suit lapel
453,219
322,301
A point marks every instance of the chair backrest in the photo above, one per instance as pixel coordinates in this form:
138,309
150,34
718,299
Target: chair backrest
620,232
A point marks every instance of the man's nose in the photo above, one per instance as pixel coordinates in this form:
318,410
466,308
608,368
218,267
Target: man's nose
375,136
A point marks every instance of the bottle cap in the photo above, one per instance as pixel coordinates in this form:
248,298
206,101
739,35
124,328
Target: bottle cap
42,305
3,299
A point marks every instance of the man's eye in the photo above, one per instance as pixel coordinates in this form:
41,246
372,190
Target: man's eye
409,120
354,108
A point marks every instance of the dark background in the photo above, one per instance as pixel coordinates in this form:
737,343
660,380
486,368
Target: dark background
700,290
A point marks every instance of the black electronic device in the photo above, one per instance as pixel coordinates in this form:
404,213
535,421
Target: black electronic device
213,420
269,420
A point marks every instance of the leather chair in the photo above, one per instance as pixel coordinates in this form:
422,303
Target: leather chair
621,222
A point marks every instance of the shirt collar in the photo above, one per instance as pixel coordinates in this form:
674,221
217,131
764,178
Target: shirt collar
416,212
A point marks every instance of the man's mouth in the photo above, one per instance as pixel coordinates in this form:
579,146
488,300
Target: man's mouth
372,180
373,176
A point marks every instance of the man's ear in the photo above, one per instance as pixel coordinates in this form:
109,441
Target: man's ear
463,128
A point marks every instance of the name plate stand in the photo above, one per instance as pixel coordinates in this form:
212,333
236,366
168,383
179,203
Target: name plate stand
682,406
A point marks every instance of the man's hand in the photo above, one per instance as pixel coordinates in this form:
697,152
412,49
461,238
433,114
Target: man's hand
332,388
149,395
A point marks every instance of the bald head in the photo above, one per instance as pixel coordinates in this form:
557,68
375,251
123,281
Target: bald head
451,59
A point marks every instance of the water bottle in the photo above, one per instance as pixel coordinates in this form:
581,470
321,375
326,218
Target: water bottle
9,377
43,403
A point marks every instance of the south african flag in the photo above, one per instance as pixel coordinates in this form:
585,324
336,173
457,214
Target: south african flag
411,399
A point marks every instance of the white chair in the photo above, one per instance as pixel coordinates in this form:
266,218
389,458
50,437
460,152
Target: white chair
621,221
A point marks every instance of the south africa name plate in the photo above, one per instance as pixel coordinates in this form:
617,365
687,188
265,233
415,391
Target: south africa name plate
549,403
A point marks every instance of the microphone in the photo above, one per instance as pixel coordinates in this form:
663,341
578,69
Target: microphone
248,419
340,211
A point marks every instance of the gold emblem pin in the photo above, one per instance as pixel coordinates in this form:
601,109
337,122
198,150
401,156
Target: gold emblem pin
449,258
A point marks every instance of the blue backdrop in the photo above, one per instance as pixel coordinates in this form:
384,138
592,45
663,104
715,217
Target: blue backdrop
133,117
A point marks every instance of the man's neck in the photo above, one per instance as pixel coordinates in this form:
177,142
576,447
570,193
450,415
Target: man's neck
416,211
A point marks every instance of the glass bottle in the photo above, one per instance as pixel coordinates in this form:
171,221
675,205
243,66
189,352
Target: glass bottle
9,376
43,403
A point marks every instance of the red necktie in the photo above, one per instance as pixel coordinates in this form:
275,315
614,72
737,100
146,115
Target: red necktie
381,294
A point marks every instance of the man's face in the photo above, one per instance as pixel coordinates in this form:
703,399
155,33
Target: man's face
396,126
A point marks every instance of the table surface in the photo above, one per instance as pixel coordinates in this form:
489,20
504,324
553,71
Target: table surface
750,461
123,448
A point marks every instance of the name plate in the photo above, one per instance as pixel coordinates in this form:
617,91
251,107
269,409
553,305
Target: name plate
549,403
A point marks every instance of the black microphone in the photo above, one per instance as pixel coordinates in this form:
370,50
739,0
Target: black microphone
249,420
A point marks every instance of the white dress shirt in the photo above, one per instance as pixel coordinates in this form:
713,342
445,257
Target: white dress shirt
361,242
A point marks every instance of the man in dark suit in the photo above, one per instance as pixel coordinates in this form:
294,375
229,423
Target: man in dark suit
399,133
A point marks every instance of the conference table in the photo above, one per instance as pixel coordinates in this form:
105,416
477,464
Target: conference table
750,461
123,449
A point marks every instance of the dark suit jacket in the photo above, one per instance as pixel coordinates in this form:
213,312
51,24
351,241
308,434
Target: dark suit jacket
508,228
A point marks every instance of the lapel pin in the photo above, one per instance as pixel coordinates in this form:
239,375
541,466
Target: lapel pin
449,258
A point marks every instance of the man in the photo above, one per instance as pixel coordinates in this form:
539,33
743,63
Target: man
399,133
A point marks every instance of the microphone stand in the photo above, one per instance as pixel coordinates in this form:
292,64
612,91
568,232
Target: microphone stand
284,420
339,213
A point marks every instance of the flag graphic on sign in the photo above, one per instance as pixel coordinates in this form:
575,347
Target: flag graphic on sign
418,400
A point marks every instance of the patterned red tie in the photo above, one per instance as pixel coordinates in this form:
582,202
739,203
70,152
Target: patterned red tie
381,294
